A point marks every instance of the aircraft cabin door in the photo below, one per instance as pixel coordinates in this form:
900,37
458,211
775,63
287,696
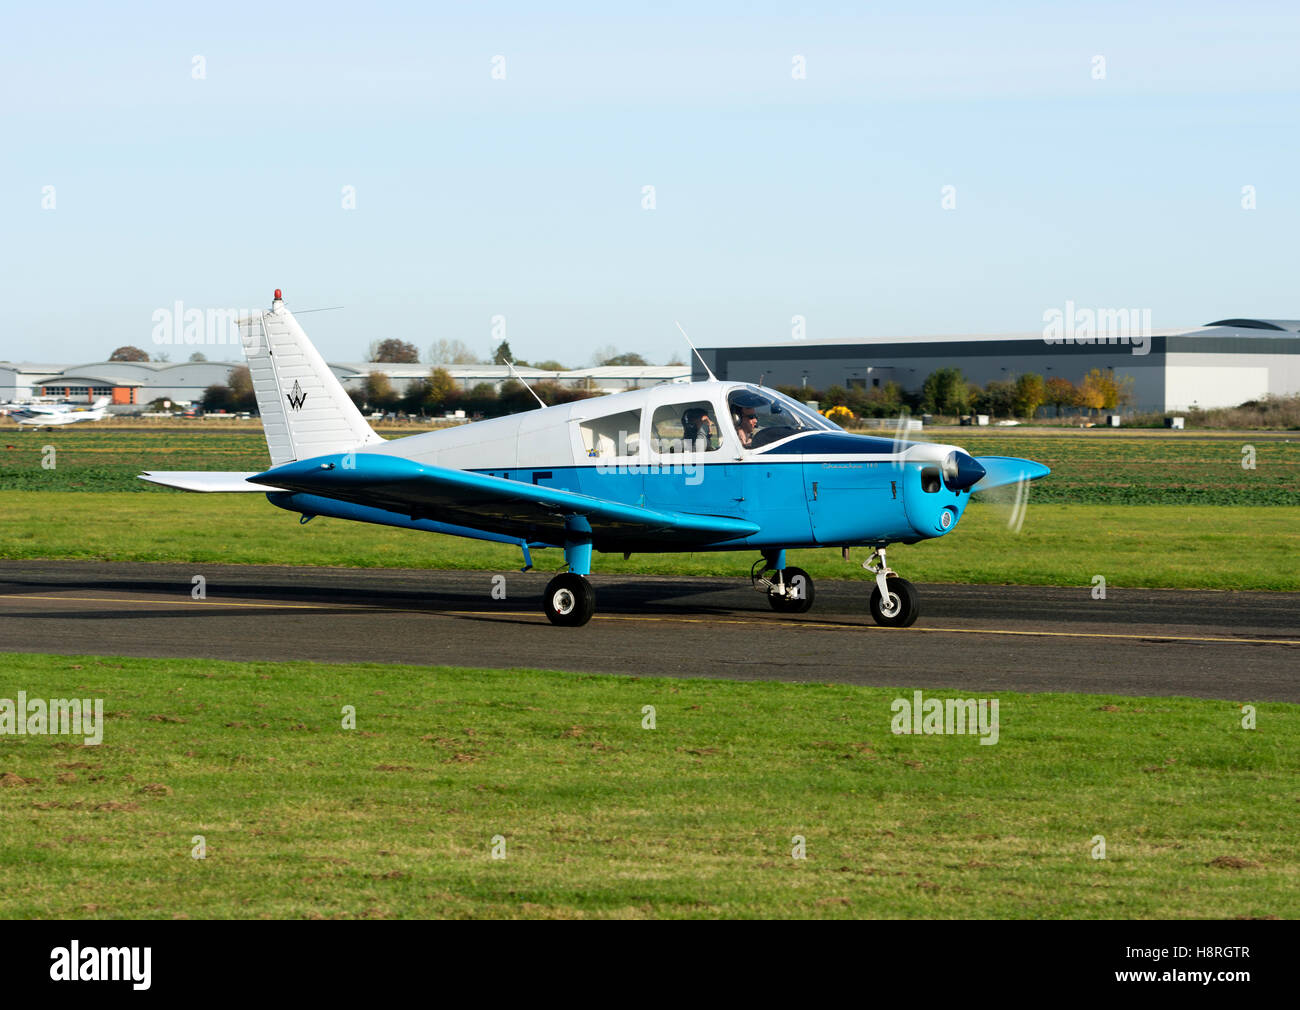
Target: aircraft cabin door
692,467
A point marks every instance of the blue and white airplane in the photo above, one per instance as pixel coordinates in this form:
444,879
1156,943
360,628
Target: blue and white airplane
700,466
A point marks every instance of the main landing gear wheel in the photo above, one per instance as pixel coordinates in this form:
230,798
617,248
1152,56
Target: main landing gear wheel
900,608
798,598
894,601
569,600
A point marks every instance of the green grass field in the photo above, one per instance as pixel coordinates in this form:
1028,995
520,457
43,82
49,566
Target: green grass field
1216,547
1097,468
1140,509
602,818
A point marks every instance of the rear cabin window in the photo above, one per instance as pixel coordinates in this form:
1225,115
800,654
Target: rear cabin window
691,426
615,435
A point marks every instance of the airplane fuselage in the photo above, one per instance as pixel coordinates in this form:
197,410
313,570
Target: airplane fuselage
818,486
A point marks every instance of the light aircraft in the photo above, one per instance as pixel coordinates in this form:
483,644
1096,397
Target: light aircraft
700,466
43,414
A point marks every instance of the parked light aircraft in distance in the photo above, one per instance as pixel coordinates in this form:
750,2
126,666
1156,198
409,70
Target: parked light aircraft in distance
42,414
700,466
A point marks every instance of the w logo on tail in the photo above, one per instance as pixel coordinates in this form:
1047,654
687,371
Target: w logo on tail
296,396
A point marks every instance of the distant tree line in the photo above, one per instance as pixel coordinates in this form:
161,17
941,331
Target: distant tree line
127,352
439,394
443,352
456,352
234,396
947,393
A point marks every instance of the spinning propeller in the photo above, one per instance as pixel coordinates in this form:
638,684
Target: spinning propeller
1003,483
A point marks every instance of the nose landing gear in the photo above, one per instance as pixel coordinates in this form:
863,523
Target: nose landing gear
894,601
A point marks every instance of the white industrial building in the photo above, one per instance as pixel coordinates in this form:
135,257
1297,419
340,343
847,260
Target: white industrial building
136,383
1220,364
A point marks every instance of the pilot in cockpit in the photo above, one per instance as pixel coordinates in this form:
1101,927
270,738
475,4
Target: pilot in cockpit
745,418
762,419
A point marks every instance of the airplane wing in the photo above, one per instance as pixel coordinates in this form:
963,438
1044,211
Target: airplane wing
496,504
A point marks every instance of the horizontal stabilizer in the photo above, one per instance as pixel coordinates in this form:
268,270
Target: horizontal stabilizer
1000,470
205,480
461,497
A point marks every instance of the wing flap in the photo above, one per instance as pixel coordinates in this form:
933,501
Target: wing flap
496,504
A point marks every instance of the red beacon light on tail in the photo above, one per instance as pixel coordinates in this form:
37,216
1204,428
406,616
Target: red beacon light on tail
277,294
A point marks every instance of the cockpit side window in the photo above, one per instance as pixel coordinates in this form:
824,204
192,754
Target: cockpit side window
762,416
691,426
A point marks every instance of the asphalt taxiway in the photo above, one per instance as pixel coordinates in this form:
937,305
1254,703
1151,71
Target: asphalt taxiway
1237,646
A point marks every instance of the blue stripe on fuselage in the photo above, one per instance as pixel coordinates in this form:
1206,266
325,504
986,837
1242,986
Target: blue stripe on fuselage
767,490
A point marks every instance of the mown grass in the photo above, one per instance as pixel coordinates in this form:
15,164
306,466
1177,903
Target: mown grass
1215,547
1087,467
603,818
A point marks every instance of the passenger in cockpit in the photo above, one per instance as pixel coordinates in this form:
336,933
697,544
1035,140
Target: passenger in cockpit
698,430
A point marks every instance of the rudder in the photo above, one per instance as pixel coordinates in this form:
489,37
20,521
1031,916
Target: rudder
305,411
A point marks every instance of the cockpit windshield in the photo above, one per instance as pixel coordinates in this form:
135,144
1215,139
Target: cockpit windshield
763,416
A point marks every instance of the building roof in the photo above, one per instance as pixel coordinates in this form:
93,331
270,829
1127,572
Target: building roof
27,368
629,372
419,369
1260,328
1289,325
65,379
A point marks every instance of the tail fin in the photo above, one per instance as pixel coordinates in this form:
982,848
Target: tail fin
305,411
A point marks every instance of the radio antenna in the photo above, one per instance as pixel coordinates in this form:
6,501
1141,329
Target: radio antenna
707,369
524,384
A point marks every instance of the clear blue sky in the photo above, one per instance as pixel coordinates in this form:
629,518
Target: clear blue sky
522,197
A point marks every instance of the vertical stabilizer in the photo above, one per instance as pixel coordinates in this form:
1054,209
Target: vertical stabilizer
305,411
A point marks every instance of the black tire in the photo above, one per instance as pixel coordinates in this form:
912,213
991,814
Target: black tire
802,583
906,604
569,600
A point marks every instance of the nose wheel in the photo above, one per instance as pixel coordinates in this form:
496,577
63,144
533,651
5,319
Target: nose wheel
894,601
569,600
